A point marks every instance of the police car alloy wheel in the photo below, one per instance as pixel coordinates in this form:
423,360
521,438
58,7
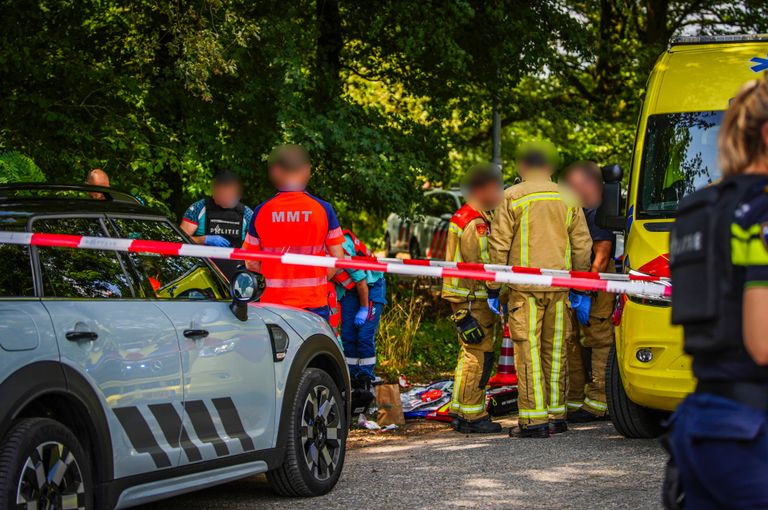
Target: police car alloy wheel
320,432
316,445
43,466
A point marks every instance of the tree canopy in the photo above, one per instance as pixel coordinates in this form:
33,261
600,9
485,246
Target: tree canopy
386,94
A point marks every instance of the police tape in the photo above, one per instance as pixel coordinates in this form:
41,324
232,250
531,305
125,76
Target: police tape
618,277
637,288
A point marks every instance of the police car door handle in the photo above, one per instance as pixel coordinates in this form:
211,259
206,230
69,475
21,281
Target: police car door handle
81,336
196,334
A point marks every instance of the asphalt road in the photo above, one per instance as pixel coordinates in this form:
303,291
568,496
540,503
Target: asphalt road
589,467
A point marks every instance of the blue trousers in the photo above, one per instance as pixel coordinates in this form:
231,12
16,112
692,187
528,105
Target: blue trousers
721,450
322,311
359,342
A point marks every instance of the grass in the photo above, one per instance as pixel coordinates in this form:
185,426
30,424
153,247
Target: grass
416,337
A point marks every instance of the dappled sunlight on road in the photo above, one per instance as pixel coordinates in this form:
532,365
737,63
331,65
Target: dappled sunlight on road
589,464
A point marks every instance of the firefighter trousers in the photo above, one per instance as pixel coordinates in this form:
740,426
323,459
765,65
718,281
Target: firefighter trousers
474,366
539,323
588,348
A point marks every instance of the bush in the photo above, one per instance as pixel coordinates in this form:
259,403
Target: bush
16,167
399,324
416,337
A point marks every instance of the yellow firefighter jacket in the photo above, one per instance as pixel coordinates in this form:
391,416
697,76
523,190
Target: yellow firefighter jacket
535,226
467,241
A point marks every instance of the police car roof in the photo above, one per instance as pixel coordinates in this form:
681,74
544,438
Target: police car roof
19,201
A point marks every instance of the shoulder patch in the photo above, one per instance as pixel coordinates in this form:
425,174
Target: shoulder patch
482,228
464,215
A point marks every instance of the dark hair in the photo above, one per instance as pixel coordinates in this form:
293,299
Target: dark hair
588,168
480,175
288,156
225,176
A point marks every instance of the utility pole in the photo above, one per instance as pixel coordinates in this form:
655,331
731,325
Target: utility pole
496,135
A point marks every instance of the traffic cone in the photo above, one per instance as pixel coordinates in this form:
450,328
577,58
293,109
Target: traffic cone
505,372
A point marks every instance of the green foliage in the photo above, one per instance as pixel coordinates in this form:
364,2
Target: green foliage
16,167
435,351
387,95
416,337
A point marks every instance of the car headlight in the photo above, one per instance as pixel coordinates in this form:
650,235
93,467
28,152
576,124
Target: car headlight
650,301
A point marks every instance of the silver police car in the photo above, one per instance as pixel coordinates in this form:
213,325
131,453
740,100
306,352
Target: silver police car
425,236
128,378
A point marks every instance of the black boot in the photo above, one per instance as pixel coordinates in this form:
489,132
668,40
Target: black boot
557,427
581,415
537,432
481,426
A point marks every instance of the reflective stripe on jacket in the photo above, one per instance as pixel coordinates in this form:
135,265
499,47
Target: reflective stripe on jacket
536,227
467,241
294,222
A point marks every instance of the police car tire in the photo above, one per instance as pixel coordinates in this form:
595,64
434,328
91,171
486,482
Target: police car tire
413,249
21,442
388,246
294,478
629,419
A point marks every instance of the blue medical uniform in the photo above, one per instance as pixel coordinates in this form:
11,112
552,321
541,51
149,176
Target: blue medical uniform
360,342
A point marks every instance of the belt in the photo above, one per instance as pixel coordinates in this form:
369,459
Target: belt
754,395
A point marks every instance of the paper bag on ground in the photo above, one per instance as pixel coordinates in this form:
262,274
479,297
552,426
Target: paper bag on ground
390,407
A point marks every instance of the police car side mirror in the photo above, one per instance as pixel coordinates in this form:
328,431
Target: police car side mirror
610,214
245,287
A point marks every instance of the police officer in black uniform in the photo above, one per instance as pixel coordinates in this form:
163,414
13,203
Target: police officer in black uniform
219,220
719,262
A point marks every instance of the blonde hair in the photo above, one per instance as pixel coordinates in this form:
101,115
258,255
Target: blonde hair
741,141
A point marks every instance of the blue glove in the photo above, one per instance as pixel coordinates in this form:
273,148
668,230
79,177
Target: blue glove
361,316
219,241
582,304
493,304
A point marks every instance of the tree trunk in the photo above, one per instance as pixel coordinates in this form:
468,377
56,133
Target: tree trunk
609,62
657,32
328,54
657,25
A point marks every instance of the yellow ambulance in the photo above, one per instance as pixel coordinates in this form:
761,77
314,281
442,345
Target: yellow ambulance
675,153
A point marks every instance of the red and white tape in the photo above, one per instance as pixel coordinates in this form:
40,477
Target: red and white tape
617,277
638,288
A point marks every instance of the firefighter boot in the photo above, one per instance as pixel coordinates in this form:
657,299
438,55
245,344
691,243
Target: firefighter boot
481,426
557,427
530,432
584,416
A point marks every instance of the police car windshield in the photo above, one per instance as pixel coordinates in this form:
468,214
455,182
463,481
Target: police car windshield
679,157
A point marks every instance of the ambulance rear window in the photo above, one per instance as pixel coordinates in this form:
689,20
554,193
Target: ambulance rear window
679,157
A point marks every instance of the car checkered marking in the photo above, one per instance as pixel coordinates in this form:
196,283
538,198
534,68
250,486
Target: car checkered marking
203,429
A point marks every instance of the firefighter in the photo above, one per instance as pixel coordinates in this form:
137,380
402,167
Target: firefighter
590,342
535,227
293,221
468,233
719,266
221,219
